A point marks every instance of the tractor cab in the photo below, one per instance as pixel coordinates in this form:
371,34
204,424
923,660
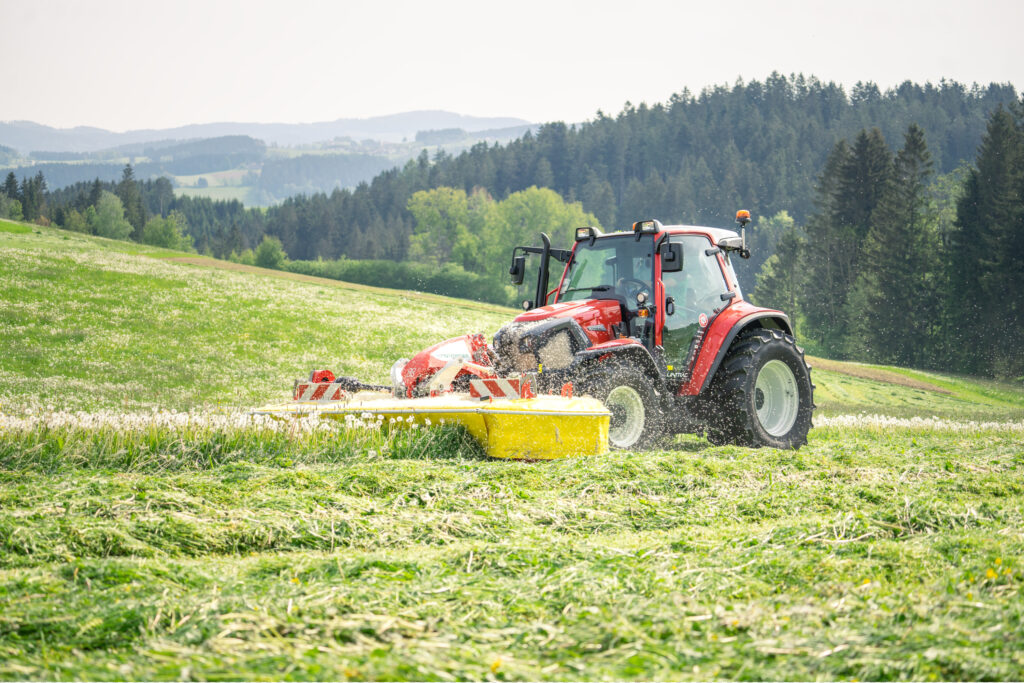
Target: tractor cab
653,285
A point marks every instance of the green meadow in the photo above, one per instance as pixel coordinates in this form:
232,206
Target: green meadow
138,543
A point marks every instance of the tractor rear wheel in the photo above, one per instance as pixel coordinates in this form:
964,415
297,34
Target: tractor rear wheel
636,422
762,393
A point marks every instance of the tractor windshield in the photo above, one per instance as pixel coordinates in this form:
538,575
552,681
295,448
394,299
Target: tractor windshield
616,267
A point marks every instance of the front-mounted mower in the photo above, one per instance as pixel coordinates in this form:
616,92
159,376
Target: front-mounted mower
650,321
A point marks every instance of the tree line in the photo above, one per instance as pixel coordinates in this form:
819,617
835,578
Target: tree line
115,210
897,265
694,159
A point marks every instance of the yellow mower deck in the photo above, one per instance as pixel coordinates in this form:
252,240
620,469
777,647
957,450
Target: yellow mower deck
541,428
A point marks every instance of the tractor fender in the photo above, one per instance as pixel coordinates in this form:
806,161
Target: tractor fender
721,336
628,352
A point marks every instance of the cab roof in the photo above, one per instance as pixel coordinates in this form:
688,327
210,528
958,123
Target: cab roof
714,234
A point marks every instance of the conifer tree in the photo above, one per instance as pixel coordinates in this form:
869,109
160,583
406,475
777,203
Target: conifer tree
781,278
597,194
134,211
32,195
987,254
848,193
820,257
894,307
11,186
95,192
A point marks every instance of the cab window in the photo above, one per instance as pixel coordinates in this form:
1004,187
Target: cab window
611,268
697,292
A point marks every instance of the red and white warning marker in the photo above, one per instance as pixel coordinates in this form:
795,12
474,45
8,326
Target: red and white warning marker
497,388
319,391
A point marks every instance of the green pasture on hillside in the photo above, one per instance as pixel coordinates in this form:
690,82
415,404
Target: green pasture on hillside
213,549
91,323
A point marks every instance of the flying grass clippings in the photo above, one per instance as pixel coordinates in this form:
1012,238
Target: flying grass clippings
915,423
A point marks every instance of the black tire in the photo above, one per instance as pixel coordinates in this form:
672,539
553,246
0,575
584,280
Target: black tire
762,394
637,422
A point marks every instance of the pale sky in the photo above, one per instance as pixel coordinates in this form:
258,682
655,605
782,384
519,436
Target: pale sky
142,64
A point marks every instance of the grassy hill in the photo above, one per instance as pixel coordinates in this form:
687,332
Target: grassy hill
203,547
92,323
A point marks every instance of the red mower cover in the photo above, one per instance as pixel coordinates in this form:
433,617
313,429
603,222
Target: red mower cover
469,349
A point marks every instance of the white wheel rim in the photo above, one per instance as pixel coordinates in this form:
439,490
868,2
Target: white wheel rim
627,423
776,398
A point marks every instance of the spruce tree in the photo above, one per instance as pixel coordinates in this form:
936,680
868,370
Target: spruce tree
1002,275
95,192
39,187
30,200
11,186
134,211
820,257
598,196
985,259
893,307
848,193
781,278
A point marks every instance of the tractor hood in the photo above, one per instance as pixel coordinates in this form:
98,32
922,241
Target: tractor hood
595,316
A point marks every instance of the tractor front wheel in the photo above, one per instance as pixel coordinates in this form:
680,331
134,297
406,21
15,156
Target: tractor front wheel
636,421
762,393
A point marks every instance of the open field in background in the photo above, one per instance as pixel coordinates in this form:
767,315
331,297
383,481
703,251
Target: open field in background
136,545
247,194
234,177
222,185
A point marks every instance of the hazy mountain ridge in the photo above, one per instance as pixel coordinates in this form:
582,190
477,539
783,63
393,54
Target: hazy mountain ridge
27,136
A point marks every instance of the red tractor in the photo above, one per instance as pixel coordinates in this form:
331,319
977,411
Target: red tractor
652,322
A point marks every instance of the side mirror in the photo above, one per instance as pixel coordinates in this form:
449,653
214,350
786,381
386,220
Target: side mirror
518,270
671,258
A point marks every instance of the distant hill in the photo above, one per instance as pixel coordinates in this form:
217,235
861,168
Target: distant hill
26,136
245,168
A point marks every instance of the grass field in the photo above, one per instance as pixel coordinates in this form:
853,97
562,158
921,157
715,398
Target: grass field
136,543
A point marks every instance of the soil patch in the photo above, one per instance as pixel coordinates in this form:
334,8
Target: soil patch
877,374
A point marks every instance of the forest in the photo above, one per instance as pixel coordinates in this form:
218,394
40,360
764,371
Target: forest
889,224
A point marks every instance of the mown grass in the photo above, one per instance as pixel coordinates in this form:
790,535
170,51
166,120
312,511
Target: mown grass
865,555
171,549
